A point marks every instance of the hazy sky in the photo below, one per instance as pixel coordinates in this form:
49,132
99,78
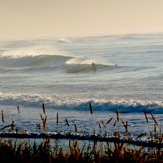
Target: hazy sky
24,19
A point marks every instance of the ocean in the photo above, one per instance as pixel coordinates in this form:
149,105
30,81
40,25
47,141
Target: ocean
113,73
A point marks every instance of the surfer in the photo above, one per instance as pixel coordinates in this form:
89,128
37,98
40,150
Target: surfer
93,66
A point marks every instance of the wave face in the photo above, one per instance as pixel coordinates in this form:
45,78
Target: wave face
34,63
51,62
45,59
32,59
80,65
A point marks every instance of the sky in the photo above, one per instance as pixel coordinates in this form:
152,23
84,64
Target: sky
28,19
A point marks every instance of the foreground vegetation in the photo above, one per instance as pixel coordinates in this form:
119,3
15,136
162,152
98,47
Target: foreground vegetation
16,148
21,151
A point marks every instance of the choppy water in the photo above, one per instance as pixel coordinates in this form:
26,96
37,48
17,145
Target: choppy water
126,75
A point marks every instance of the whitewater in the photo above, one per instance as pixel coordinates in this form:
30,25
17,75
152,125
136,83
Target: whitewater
112,73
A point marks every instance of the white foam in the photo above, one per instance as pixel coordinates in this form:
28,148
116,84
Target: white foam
33,51
65,102
79,61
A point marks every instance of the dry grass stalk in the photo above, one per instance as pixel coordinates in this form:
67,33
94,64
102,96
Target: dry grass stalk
75,144
115,123
125,124
154,119
41,117
146,117
18,109
43,108
38,126
44,119
76,129
44,123
67,122
155,130
90,107
12,125
104,126
109,120
100,126
57,119
3,120
118,116
95,145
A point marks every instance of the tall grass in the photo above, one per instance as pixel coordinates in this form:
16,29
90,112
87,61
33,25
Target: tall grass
91,150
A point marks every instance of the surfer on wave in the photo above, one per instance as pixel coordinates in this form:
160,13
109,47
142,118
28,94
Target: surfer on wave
93,66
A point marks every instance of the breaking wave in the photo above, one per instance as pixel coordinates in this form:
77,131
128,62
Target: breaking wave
58,102
20,60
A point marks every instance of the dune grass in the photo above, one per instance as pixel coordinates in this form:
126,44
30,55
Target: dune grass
91,150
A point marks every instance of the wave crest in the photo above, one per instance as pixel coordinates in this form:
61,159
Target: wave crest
58,102
78,65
